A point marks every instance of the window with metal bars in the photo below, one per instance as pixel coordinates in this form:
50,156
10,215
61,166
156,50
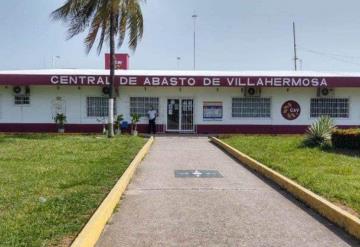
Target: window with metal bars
98,106
22,99
332,107
141,105
251,107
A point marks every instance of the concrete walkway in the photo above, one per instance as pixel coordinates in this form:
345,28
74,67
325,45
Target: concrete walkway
239,209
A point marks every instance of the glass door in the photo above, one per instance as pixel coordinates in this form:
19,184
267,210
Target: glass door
173,115
187,115
180,115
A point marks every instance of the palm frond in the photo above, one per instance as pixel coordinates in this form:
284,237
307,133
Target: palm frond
122,24
99,22
95,16
135,23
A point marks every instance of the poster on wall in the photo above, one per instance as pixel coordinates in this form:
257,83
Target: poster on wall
212,110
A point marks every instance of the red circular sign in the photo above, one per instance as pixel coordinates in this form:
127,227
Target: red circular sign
290,110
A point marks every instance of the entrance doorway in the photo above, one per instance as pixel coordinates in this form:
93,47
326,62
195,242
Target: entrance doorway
180,115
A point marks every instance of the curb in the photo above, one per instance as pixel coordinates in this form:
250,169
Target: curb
91,232
327,209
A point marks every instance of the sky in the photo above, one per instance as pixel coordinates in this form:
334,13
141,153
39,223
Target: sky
231,35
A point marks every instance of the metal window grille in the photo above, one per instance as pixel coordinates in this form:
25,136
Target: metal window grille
98,106
251,107
22,99
332,107
141,105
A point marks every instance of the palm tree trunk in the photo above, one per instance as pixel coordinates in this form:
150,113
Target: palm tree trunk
112,77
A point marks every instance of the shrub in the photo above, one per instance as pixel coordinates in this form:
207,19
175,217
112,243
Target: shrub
346,138
319,133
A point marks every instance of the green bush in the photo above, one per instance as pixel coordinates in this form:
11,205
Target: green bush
346,138
319,133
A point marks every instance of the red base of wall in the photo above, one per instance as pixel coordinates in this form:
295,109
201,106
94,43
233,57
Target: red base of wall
251,129
258,129
72,128
69,128
143,128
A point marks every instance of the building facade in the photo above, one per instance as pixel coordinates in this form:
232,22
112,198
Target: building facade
186,101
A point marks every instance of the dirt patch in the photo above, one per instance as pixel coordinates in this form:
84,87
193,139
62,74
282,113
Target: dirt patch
65,242
347,209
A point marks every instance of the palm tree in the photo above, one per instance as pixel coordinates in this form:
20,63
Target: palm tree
106,20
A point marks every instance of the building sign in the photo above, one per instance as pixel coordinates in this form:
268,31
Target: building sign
221,81
212,110
290,110
178,81
121,61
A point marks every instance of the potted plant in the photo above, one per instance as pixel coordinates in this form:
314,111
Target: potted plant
104,125
134,120
117,124
60,120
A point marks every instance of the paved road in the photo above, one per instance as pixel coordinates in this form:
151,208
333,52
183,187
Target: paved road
239,209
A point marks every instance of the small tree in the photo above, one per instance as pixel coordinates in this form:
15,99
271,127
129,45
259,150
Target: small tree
117,124
60,120
135,118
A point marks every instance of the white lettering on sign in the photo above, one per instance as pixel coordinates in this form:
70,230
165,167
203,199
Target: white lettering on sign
164,81
91,80
79,80
250,83
64,80
54,80
286,82
237,82
123,80
192,82
101,81
132,80
207,82
213,81
175,81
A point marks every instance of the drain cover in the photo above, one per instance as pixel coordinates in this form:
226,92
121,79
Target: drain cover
197,174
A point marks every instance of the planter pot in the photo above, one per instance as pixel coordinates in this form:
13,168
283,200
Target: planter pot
135,132
117,131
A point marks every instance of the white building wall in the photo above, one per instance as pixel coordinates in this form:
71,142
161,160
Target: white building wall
278,97
40,108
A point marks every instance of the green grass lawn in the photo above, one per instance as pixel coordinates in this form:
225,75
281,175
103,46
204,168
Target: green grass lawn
333,174
50,185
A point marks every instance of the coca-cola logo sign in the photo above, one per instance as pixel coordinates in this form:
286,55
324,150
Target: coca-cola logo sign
290,110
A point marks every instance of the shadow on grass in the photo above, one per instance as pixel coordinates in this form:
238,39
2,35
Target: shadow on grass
347,152
328,148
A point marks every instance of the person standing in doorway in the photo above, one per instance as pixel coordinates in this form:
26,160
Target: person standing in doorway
152,114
